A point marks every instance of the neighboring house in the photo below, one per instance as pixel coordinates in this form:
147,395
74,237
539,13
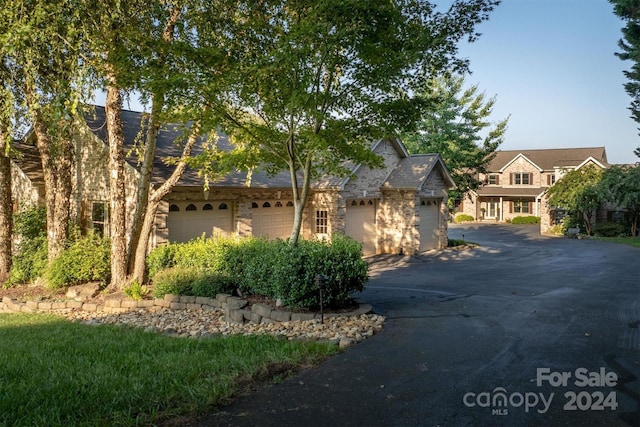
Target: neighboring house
516,181
400,208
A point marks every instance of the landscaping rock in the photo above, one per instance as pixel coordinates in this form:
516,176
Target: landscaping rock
83,292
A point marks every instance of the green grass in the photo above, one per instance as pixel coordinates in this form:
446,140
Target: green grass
55,372
459,242
633,241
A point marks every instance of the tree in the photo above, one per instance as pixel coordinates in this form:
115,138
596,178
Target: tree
578,191
453,125
42,53
629,11
621,186
319,81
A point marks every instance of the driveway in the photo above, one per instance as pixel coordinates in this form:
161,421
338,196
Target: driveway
524,330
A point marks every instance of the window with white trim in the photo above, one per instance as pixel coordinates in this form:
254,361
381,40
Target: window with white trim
493,179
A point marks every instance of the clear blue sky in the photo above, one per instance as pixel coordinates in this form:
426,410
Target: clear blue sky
551,66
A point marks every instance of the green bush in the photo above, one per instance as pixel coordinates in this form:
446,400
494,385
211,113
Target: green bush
272,269
525,220
30,258
185,281
463,218
611,229
29,262
200,253
280,271
86,260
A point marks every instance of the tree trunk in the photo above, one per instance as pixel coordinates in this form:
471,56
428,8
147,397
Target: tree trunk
299,195
6,212
117,194
146,170
139,270
56,170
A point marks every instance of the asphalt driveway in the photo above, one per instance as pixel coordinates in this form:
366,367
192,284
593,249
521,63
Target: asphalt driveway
524,330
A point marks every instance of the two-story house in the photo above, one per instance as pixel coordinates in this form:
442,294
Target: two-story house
516,181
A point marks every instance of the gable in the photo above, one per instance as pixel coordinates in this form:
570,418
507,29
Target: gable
521,162
412,172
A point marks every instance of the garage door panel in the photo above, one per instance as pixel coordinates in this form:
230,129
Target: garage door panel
429,225
360,225
273,219
210,219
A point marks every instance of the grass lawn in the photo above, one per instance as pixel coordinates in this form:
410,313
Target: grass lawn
54,372
633,241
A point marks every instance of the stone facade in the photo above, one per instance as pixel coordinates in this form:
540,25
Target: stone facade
380,207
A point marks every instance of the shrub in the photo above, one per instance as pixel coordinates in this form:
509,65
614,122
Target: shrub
136,291
272,269
611,229
288,273
200,253
30,258
525,220
86,260
29,262
184,281
463,218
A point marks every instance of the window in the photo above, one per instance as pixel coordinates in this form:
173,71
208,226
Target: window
551,179
493,179
322,222
191,207
521,207
99,217
521,178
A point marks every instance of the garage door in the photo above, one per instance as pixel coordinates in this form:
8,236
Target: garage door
272,218
361,224
429,224
189,220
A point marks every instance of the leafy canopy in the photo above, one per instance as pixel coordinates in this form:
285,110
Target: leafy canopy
456,124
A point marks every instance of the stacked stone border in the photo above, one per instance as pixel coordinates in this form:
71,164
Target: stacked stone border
236,309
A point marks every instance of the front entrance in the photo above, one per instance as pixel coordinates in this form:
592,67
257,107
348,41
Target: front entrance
493,210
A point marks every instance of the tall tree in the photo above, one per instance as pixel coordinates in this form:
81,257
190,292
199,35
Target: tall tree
579,192
321,80
43,50
456,124
157,50
621,186
629,11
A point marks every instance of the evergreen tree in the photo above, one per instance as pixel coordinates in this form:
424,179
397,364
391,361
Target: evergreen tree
456,125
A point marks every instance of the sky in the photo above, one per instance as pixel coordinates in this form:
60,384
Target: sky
552,67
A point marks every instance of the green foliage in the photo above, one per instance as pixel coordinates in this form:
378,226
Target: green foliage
531,219
200,253
31,223
579,192
186,281
30,259
462,218
285,272
621,187
274,269
456,124
629,12
136,291
611,229
86,260
29,262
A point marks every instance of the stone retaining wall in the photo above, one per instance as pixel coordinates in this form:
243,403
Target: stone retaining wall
236,309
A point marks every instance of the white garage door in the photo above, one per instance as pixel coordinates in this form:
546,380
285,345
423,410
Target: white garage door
272,218
429,224
189,220
361,224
